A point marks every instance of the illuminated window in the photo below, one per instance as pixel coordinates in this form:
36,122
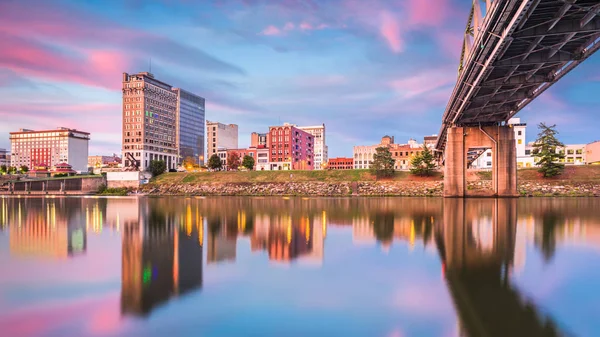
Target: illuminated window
520,141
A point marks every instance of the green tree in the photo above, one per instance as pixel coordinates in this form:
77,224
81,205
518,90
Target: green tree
157,167
3,169
24,169
545,151
233,161
248,162
214,162
423,163
383,163
12,170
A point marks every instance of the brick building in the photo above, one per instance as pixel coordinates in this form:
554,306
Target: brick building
290,148
340,163
242,153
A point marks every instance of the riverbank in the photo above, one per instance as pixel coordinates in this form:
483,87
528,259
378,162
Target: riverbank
576,181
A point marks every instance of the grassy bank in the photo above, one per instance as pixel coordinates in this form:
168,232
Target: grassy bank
572,173
283,176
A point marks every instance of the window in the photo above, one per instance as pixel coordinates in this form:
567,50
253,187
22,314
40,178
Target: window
519,133
520,141
489,154
489,163
527,152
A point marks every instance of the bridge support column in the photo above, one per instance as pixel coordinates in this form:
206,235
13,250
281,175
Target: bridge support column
500,139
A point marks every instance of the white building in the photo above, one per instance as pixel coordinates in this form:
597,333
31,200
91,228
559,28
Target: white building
574,154
363,155
262,159
320,147
50,147
220,136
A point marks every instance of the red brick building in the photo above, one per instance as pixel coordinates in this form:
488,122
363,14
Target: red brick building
290,148
341,163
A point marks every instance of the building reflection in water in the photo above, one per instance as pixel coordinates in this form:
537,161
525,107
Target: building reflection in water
52,228
162,257
481,242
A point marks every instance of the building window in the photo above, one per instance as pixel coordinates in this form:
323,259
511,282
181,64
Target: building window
519,133
520,141
527,152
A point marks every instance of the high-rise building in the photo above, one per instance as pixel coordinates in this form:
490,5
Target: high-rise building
290,148
257,139
190,126
320,150
50,147
149,121
220,136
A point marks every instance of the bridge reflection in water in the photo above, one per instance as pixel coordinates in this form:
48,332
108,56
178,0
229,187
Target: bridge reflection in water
477,259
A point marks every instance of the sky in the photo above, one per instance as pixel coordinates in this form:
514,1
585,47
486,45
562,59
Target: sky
364,68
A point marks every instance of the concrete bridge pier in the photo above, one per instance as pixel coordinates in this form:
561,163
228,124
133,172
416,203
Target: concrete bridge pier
500,139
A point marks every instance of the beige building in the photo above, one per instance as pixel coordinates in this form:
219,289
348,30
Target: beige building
592,153
320,147
220,136
149,121
50,147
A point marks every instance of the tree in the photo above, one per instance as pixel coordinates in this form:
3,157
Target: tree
24,169
545,151
383,163
233,161
157,167
189,162
423,163
248,162
214,162
12,170
3,169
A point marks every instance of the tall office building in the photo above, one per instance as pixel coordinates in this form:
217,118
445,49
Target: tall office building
149,121
50,147
220,136
190,126
320,150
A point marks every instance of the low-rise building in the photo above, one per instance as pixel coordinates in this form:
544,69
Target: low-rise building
592,153
63,145
262,158
258,139
401,153
4,157
340,163
102,161
242,153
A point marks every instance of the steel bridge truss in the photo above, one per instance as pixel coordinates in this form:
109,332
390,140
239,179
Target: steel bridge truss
514,52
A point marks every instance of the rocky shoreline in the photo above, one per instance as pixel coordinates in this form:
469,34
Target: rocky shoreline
381,188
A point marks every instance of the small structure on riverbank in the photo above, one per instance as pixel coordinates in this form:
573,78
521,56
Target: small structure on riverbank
63,169
40,171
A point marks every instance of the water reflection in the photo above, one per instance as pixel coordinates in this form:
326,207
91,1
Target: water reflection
481,244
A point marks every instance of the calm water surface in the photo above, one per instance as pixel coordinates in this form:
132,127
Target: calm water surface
299,267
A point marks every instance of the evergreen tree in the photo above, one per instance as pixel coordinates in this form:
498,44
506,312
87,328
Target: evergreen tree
383,163
24,169
248,162
423,163
233,161
214,162
545,151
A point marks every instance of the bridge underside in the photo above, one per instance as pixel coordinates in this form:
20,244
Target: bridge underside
521,49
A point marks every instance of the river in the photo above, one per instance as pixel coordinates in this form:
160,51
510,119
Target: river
277,266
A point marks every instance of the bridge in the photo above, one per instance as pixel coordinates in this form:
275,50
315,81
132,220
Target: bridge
513,50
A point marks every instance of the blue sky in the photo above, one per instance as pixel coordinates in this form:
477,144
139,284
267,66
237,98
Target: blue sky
364,68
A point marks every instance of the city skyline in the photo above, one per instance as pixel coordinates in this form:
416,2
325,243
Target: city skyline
389,68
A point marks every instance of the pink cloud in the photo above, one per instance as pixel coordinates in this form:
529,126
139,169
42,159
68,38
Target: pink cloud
306,26
289,26
271,30
424,82
427,13
390,31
